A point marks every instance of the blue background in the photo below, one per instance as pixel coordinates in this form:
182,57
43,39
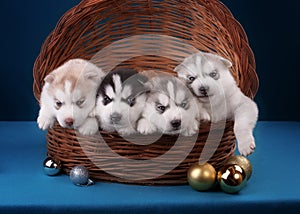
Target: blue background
272,28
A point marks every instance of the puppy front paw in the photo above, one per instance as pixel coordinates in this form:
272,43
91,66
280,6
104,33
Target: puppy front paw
188,132
89,127
205,116
45,122
246,146
126,131
145,127
192,130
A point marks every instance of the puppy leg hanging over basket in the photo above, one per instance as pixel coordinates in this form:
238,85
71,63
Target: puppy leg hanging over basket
144,35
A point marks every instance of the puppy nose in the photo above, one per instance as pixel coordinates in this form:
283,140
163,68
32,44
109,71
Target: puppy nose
115,117
176,123
69,121
203,89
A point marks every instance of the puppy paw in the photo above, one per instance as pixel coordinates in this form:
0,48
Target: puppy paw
246,147
126,131
89,127
192,130
144,127
188,132
205,116
45,122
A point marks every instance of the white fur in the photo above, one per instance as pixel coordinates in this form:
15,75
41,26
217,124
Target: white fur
171,93
224,99
129,114
74,84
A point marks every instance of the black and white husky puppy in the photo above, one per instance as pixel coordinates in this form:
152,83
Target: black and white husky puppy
170,108
121,100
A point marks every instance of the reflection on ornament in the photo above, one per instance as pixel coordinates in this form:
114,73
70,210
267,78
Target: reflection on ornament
242,162
79,175
51,167
232,178
201,176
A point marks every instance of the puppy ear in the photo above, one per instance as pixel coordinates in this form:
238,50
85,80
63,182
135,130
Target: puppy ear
49,78
224,61
91,75
96,75
181,73
144,81
177,68
148,85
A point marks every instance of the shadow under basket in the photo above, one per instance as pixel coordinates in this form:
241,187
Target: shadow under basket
145,35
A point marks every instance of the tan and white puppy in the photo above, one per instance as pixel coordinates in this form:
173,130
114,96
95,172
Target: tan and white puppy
209,78
69,96
170,108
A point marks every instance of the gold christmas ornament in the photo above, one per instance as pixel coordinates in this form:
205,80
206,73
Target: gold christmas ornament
232,178
201,177
242,162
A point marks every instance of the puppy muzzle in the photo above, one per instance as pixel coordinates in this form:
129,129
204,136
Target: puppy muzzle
115,118
176,124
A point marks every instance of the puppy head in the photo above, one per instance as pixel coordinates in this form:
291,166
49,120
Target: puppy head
72,88
170,106
121,99
205,74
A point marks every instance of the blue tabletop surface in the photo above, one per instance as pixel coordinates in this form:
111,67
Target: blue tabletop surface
273,187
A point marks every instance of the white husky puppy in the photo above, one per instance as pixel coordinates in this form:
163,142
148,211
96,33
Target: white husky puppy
121,100
69,96
170,108
209,78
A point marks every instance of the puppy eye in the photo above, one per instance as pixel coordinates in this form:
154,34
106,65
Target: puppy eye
58,104
183,105
106,100
131,101
80,102
214,74
160,108
191,79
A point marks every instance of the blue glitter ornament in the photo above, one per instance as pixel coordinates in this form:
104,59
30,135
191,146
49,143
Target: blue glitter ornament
79,175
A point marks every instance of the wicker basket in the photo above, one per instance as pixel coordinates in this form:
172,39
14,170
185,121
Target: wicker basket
94,25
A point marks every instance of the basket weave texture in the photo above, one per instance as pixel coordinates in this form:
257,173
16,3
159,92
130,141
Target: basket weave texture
92,26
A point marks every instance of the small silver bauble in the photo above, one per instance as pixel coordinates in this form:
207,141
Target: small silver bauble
51,167
79,175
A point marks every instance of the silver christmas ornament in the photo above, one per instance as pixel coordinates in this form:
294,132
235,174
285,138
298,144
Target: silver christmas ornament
79,175
51,167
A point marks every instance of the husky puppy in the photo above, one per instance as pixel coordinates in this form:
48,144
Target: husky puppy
209,78
121,100
170,108
69,96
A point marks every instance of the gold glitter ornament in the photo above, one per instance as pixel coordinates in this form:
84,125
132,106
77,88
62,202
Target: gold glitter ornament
242,162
